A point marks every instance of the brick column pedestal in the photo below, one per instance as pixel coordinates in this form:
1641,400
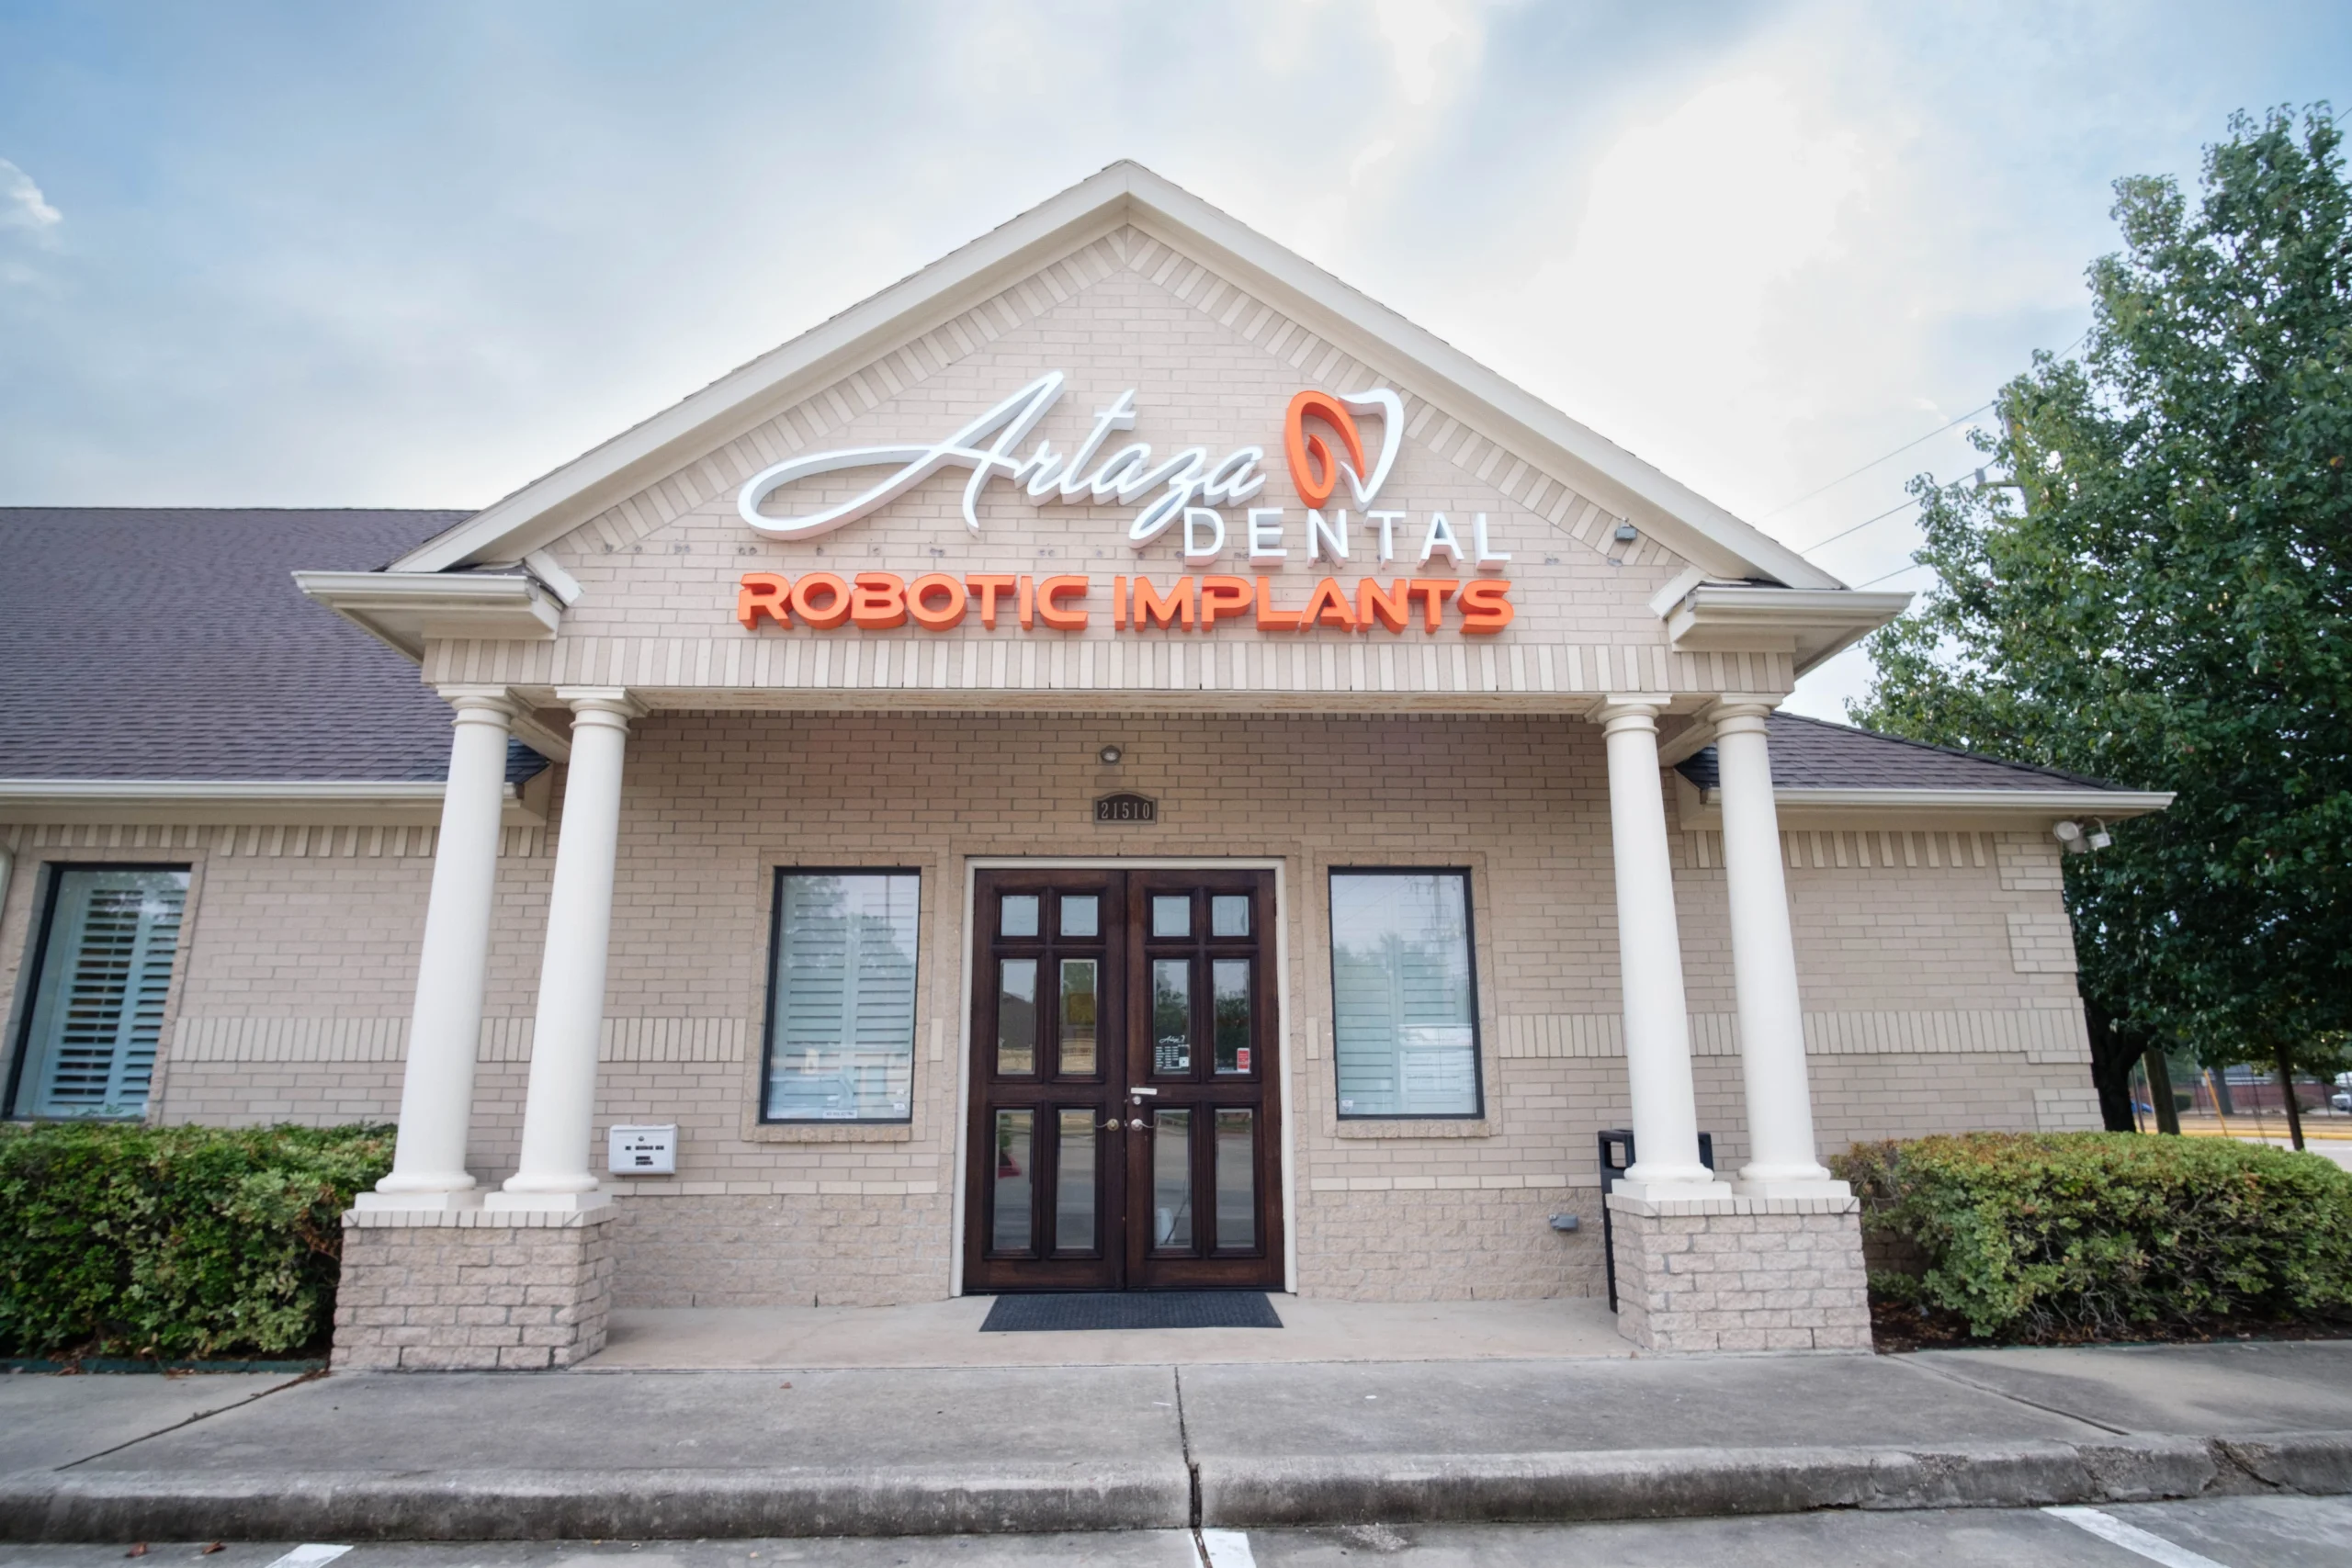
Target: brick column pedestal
464,1289
1741,1273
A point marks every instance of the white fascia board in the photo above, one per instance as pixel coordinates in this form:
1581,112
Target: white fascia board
1813,625
405,609
2051,803
553,505
387,802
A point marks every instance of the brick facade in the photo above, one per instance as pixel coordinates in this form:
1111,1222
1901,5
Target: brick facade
1741,1274
291,999
469,1291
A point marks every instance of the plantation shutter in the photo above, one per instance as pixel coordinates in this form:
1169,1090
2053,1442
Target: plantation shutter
843,1010
99,1007
1402,1010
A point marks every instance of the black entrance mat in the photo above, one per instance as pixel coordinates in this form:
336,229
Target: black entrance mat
1132,1309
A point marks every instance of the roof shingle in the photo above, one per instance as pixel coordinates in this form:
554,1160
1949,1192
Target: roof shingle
171,643
1810,754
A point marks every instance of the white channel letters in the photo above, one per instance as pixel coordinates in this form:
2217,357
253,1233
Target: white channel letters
1185,479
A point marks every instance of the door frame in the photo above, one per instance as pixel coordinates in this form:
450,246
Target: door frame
1285,1035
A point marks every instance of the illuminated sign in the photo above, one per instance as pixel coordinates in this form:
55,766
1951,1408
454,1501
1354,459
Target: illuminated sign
1190,485
939,601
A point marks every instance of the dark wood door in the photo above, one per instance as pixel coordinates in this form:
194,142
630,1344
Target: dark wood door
1125,1102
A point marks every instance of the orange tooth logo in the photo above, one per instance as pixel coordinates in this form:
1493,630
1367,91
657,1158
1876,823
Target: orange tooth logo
1313,467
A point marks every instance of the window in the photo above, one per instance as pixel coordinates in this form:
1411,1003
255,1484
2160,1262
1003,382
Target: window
841,997
1404,1001
103,966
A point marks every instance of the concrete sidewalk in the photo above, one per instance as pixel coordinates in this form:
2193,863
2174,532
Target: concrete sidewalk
970,1450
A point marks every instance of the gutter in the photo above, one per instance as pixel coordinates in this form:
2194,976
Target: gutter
387,802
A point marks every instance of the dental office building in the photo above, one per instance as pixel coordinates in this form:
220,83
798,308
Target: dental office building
1117,763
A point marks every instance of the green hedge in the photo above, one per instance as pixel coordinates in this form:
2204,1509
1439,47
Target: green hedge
2109,1235
174,1242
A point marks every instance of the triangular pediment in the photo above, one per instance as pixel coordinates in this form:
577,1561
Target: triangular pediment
1126,234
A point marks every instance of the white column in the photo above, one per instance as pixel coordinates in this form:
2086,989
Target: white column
561,1101
444,1024
1650,962
1783,1161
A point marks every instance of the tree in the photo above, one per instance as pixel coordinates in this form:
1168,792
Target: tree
2161,594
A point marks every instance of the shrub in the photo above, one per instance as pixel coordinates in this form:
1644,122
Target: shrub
176,1242
2107,1235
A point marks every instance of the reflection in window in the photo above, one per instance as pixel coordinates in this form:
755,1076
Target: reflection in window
1077,1017
1020,915
1082,915
1172,914
1403,1025
1232,1013
1016,1017
1074,1183
1229,914
1171,1180
841,1000
1015,1140
1171,1015
1237,1181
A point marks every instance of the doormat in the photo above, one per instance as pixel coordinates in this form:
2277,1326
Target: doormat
1131,1309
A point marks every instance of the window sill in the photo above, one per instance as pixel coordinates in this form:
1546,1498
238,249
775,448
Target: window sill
1367,1127
829,1132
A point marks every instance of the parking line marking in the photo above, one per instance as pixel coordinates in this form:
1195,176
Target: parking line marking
1227,1548
2131,1537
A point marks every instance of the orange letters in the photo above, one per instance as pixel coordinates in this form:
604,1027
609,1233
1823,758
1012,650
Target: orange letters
1485,607
836,607
1052,613
1150,606
763,594
878,601
1313,467
988,585
1393,606
942,617
937,602
1226,596
1431,592
1327,606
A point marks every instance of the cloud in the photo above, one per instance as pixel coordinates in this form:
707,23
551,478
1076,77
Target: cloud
22,206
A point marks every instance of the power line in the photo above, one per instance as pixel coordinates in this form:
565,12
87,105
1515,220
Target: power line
1898,451
1898,571
1874,462
1858,527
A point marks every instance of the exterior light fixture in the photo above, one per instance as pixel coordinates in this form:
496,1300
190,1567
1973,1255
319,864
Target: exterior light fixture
2069,834
1110,755
1627,533
2100,838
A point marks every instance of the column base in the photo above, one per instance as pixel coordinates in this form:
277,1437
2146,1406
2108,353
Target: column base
467,1291
1673,1192
443,1202
1740,1273
503,1201
1791,1187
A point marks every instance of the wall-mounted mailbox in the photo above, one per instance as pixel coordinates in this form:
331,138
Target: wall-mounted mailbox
642,1151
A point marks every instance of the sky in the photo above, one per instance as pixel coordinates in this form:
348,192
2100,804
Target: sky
418,253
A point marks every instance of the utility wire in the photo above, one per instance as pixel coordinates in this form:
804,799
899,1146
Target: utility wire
1858,527
1874,462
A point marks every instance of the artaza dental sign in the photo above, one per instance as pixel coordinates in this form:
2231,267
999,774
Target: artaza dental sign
1183,491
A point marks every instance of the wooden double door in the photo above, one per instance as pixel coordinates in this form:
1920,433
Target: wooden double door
1125,1096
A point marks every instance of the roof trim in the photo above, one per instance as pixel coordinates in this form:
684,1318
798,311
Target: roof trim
403,802
2116,802
548,507
1816,625
405,610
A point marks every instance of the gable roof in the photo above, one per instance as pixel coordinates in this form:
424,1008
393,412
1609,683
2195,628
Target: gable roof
232,673
1125,194
1808,753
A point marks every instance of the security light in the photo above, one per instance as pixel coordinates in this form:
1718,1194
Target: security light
1110,755
1627,533
2100,838
2069,834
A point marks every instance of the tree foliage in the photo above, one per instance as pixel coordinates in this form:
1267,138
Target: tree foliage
2159,597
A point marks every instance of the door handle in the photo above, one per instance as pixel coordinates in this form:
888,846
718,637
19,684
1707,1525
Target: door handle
1112,1125
1135,1125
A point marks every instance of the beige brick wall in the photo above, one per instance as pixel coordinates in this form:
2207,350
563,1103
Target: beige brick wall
297,971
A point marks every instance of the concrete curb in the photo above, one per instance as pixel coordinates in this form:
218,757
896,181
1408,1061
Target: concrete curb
1695,1483
592,1505
1231,1494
